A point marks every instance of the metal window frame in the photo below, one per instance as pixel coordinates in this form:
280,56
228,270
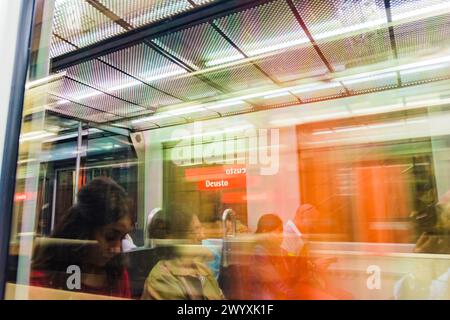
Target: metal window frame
13,127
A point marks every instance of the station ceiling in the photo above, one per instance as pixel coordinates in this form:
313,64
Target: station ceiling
147,64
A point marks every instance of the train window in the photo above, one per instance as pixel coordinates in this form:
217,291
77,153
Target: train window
258,150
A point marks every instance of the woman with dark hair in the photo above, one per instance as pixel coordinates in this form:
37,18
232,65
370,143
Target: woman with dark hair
183,274
271,275
89,238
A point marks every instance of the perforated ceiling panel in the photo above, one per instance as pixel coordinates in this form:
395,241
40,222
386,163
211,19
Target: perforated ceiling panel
82,24
202,46
350,33
273,33
416,34
78,111
241,54
161,73
145,64
113,82
60,47
141,12
241,77
74,91
187,86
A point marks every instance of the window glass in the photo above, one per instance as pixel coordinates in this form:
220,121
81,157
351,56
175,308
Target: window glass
277,150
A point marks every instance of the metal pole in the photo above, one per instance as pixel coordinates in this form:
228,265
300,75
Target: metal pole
55,185
78,164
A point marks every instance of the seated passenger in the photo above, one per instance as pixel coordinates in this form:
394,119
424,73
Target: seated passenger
88,237
271,275
183,274
156,227
429,280
277,275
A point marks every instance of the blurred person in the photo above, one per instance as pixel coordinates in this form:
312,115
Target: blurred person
89,237
306,220
156,227
279,275
426,281
434,222
274,276
183,274
271,271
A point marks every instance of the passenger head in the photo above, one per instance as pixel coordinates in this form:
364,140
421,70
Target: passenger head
100,219
269,223
156,225
270,230
184,225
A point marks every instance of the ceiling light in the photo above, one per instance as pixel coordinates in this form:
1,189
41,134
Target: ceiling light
225,104
46,80
224,60
315,86
282,45
439,9
370,78
369,25
35,135
278,95
167,75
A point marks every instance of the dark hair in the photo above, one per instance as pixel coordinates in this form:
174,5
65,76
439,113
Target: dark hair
173,224
99,204
157,228
179,223
269,223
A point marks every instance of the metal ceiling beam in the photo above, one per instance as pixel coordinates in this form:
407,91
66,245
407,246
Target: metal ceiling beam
302,23
195,16
109,94
83,105
116,130
387,8
115,18
224,36
120,21
111,15
235,46
122,71
322,57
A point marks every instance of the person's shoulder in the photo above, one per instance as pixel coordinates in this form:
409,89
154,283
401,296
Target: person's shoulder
203,269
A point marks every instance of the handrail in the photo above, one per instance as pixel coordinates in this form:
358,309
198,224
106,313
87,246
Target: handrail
229,213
